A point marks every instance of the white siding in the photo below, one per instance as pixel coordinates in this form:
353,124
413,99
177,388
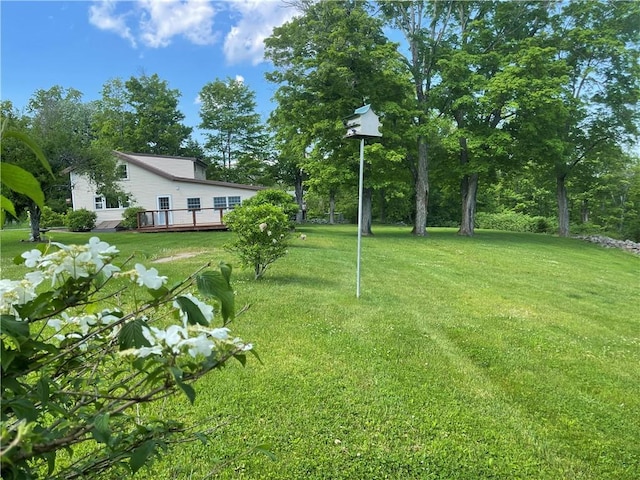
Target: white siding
145,187
173,166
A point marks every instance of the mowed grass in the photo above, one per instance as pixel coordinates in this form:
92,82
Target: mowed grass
500,356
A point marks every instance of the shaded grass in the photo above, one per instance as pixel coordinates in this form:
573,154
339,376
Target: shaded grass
499,356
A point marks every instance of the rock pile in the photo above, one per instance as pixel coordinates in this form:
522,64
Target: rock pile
608,242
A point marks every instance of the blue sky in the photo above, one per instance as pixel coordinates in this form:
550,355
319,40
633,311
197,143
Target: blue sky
188,43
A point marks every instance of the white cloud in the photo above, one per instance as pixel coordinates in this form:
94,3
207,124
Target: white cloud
101,14
158,22
155,23
166,19
239,79
245,40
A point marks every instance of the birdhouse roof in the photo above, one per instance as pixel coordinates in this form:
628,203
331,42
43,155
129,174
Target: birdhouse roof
362,110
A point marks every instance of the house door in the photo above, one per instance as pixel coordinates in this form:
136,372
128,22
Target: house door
164,217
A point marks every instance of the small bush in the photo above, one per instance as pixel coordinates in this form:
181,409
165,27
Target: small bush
130,218
586,228
514,222
81,220
262,233
51,218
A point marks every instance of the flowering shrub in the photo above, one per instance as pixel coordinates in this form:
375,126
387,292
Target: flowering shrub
262,232
279,198
84,340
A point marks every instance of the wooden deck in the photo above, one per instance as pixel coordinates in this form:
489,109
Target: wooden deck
181,220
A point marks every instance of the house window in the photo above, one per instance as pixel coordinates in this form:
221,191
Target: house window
163,203
123,171
193,203
233,201
102,202
219,202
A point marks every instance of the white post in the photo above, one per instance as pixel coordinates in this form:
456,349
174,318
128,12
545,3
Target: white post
360,188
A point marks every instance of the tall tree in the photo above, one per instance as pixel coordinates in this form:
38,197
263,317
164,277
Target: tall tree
328,62
237,138
599,43
487,37
60,123
141,115
424,25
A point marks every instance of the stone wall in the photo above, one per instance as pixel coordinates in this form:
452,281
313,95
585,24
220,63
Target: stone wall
608,242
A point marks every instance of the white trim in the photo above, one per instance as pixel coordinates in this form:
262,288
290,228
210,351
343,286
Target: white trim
160,217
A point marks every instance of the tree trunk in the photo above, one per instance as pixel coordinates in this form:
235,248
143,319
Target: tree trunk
469,193
584,211
299,191
34,221
563,206
332,208
422,189
366,211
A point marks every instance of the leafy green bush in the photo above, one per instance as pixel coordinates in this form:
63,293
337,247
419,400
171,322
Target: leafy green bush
130,217
514,222
586,228
75,364
81,220
261,232
50,218
278,198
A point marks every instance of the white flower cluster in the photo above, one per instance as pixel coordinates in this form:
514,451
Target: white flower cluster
77,261
73,261
144,277
17,292
194,340
77,327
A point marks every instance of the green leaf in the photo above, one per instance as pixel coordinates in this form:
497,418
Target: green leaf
194,315
39,306
131,335
6,205
101,431
21,181
27,140
187,389
51,461
216,285
265,449
141,454
177,373
22,408
158,292
42,389
6,357
13,328
242,358
226,269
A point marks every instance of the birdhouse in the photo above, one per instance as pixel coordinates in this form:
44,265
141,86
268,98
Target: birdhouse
363,123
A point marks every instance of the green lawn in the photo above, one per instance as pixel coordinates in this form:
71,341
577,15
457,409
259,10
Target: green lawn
500,356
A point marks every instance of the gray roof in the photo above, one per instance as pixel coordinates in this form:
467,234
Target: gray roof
131,158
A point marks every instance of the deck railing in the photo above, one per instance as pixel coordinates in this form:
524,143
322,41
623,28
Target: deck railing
181,218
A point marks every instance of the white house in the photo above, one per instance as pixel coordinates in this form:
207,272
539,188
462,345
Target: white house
160,183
